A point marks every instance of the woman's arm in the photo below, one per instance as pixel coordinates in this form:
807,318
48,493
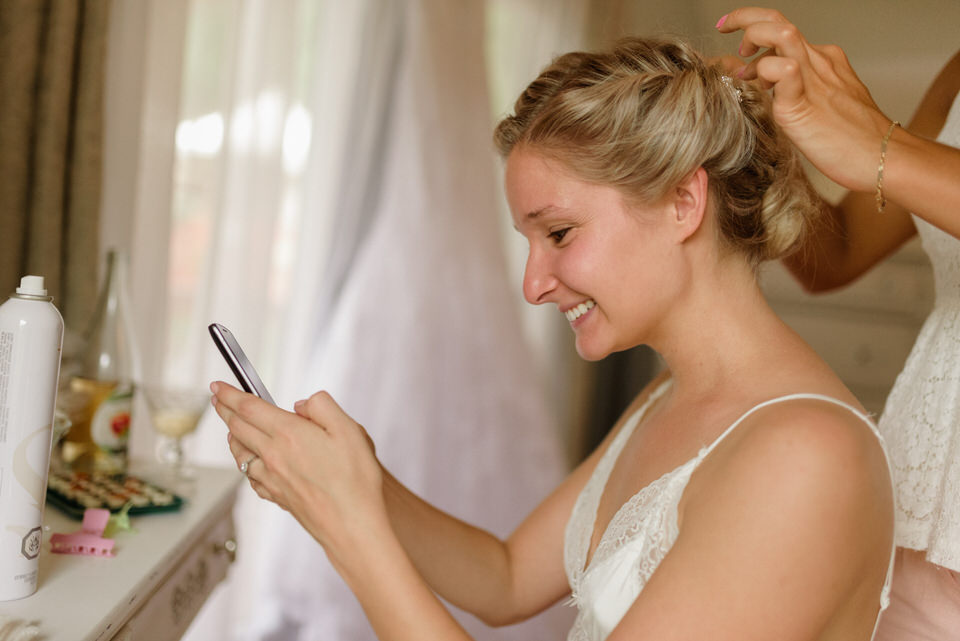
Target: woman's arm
855,237
831,117
501,582
319,465
325,474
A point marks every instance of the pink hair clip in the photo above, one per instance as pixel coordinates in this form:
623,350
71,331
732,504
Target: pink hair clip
89,539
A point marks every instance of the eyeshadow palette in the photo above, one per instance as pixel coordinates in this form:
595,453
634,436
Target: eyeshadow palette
73,492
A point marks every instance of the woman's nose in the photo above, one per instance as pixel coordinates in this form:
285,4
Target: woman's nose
538,279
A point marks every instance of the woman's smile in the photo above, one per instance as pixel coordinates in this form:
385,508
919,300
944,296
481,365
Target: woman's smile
577,312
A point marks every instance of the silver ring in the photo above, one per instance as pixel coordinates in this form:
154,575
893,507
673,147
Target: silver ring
245,466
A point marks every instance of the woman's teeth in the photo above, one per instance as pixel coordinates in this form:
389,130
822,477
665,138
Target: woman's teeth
578,311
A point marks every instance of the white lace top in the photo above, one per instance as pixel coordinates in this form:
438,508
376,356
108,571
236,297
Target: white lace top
639,535
921,420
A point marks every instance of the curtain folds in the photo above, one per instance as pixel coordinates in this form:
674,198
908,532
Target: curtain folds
51,97
418,333
371,265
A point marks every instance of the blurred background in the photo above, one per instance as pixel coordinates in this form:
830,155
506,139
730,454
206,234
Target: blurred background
318,176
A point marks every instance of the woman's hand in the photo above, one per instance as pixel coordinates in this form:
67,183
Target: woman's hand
317,463
818,100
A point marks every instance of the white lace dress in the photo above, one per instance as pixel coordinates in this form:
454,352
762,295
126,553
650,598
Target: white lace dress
639,535
921,420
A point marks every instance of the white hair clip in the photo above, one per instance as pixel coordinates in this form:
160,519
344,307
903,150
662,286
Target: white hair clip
727,80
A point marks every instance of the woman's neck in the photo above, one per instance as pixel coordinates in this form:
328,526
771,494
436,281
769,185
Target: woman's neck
721,332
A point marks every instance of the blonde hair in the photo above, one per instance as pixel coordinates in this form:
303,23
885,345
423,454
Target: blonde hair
645,115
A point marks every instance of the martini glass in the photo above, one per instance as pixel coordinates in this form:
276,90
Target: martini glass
175,413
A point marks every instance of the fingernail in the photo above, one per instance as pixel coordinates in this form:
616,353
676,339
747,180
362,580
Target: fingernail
213,401
721,21
213,387
739,72
740,49
298,404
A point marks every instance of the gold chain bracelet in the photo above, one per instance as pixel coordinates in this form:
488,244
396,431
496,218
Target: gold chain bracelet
881,201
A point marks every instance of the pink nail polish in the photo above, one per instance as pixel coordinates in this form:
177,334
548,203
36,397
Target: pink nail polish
739,73
721,21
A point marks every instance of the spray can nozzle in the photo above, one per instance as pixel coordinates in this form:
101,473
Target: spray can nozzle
31,286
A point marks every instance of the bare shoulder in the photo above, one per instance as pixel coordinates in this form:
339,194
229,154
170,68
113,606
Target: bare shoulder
808,442
785,532
814,431
817,462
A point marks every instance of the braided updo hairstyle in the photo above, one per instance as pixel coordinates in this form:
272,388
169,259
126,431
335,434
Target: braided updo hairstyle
646,114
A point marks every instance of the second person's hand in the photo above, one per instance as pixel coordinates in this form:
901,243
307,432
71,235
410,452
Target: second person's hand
818,100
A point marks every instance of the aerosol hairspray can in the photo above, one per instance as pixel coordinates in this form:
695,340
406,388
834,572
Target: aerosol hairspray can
31,335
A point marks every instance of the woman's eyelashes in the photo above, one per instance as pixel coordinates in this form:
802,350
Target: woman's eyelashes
557,235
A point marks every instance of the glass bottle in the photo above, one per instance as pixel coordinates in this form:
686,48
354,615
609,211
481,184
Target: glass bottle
102,389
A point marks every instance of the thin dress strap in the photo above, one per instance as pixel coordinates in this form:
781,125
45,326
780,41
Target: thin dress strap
790,397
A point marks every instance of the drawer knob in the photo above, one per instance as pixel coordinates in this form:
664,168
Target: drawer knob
228,547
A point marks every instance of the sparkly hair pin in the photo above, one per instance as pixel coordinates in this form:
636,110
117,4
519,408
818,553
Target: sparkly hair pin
727,80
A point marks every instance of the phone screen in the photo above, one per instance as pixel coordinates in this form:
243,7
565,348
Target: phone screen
238,362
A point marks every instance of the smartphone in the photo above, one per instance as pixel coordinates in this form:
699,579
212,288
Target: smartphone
238,362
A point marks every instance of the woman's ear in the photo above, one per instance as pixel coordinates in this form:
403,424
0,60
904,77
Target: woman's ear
690,203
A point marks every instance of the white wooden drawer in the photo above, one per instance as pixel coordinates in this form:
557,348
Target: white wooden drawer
168,612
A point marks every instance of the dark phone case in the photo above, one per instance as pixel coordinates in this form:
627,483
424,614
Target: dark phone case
237,360
233,366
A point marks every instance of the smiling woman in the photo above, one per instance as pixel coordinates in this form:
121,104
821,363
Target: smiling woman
744,495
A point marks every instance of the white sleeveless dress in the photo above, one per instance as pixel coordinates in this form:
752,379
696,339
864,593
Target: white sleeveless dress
640,534
921,420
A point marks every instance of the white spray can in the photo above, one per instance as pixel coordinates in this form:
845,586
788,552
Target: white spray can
31,336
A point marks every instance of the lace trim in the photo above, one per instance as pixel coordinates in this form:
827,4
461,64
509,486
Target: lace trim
583,517
647,510
635,515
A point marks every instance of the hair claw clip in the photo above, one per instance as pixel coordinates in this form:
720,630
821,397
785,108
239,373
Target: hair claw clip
89,539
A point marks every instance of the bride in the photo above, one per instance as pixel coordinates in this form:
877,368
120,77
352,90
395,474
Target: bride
744,495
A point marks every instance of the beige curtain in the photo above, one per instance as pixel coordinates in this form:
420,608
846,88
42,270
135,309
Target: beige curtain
51,92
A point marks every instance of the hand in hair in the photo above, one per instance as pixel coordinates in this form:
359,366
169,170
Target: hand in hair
830,116
818,99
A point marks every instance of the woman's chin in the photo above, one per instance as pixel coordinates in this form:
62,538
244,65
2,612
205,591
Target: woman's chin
589,352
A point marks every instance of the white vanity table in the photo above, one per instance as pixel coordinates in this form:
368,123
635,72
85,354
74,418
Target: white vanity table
160,577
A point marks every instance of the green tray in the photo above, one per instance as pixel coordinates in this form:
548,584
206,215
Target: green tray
74,492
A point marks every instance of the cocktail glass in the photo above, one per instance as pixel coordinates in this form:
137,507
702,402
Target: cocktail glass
175,413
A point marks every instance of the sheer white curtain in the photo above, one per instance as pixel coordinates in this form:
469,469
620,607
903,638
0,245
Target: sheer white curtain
421,337
335,205
523,36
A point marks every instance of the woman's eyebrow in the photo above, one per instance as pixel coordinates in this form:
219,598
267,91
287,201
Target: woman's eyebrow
548,209
533,215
